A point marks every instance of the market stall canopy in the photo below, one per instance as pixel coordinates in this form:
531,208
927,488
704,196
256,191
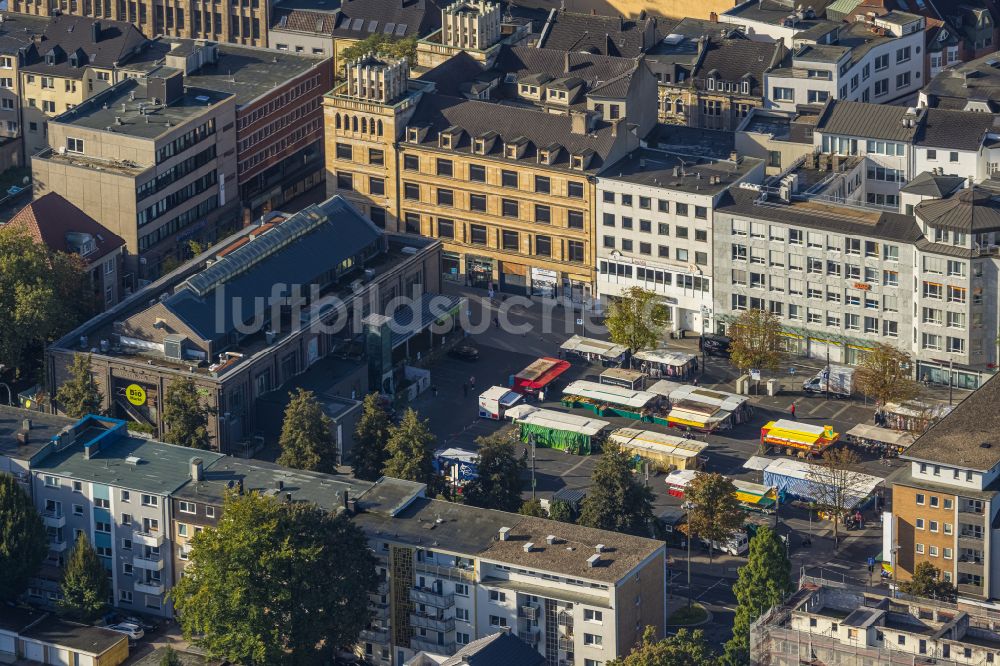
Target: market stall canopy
550,418
665,357
607,350
758,463
884,435
655,442
664,387
540,373
729,402
918,410
606,393
803,480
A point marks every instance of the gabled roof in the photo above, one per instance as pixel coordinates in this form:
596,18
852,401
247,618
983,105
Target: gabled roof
51,219
604,35
304,20
931,185
860,119
117,42
955,130
594,69
358,19
734,58
499,649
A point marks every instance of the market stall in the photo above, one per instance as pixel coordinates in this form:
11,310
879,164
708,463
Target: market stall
678,480
659,363
795,437
592,349
604,400
630,379
496,400
458,465
808,482
912,416
664,452
664,387
539,375
756,496
707,410
889,443
558,430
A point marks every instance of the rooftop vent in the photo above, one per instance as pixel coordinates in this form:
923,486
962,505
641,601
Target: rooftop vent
133,460
599,547
550,539
504,533
593,560
528,547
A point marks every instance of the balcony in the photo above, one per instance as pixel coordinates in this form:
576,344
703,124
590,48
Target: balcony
418,644
432,598
379,610
152,562
54,519
969,590
151,539
566,643
425,621
968,511
57,545
149,587
458,574
529,612
377,636
565,620
530,635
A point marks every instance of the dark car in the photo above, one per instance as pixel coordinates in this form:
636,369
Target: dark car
714,345
464,353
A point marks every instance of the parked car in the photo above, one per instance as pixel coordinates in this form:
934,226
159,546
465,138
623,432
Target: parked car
464,353
147,625
133,631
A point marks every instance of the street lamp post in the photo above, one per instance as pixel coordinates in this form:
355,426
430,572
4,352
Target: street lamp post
687,506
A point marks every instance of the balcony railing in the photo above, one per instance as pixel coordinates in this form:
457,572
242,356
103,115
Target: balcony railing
459,574
378,636
565,620
54,518
566,643
425,621
152,562
149,587
432,598
418,644
152,539
968,588
529,611
57,545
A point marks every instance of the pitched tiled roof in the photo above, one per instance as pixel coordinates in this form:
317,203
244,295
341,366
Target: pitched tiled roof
592,68
972,210
931,185
732,59
65,35
956,130
871,121
499,649
17,29
605,35
541,129
456,75
51,218
303,20
400,18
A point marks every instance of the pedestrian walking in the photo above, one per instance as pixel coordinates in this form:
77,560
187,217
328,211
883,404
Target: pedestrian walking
792,410
434,391
695,381
465,390
472,382
496,321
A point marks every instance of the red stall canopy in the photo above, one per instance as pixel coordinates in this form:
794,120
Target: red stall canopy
539,374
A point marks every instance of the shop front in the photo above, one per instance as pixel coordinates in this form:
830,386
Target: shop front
930,372
544,282
479,271
451,266
514,278
577,290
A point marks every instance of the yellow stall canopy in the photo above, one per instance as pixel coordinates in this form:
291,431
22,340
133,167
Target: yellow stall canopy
665,451
798,435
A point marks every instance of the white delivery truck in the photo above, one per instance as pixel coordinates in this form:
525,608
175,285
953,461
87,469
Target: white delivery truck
837,379
495,402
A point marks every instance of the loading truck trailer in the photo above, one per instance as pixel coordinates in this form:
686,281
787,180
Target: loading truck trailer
837,379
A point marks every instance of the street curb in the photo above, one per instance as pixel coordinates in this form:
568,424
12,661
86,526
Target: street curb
708,618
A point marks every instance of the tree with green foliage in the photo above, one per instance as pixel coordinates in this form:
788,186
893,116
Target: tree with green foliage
837,485
85,583
928,582
276,583
23,542
884,375
637,319
616,500
79,395
756,341
532,507
499,469
170,657
715,513
43,295
762,582
682,649
562,511
370,437
185,416
410,449
306,437
382,45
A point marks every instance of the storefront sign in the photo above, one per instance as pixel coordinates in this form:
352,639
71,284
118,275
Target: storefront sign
135,394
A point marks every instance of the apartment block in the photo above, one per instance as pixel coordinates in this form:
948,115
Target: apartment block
244,319
507,187
874,62
833,623
149,159
16,37
944,502
69,61
837,274
654,217
279,119
240,23
711,75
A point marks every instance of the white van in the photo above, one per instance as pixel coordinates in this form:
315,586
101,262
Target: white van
737,544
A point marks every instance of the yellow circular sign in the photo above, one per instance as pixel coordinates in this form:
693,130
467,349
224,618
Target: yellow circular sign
135,394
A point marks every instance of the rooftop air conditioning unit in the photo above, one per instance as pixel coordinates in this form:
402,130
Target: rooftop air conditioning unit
173,347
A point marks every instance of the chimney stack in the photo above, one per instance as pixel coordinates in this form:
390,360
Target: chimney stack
197,471
95,32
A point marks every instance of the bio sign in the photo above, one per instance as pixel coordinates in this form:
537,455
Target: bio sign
135,394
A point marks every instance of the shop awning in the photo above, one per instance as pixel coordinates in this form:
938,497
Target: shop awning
607,393
607,350
540,373
665,357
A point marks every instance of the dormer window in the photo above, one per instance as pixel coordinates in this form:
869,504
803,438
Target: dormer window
479,147
510,152
711,84
413,134
445,141
746,88
577,162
